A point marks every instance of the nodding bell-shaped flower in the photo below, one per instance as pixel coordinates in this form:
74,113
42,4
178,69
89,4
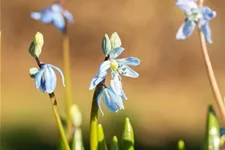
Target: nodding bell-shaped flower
45,78
53,14
117,67
111,100
195,15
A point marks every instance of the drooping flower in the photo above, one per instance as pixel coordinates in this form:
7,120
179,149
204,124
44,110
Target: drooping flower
117,67
53,14
111,100
195,15
45,78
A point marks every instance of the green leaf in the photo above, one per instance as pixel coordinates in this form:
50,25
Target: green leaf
128,136
213,131
77,141
115,144
101,138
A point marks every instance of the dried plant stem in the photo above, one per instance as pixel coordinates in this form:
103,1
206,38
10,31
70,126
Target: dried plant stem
211,75
94,116
56,113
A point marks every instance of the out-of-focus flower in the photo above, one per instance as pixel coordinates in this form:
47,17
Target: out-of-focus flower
45,78
53,14
117,67
194,15
111,100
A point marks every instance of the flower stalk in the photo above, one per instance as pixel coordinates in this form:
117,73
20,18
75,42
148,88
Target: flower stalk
56,113
211,75
66,60
94,116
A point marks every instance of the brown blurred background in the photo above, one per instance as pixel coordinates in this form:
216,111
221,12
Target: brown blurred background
167,102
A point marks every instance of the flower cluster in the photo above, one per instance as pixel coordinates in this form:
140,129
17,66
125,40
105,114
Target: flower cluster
195,15
45,77
55,15
113,95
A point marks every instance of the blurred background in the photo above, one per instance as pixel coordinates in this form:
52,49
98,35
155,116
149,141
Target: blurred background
166,103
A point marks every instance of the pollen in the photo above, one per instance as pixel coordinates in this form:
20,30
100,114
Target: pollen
113,65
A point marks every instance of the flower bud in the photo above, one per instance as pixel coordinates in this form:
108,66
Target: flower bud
115,40
36,45
76,116
33,71
106,44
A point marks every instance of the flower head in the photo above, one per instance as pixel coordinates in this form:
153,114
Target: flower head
53,14
195,15
117,67
45,78
111,100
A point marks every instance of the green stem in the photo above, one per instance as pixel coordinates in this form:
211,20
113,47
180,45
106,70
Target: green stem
94,116
58,120
68,93
211,75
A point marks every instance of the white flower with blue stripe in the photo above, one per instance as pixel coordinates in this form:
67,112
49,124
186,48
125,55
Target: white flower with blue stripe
53,14
117,67
195,15
111,100
45,78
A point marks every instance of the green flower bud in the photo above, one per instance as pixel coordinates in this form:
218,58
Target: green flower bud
106,44
76,116
36,45
181,145
33,72
115,40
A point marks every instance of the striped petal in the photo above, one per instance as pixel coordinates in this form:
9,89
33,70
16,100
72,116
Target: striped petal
131,61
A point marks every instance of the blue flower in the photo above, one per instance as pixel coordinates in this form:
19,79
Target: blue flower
111,100
222,131
45,78
195,15
53,14
117,67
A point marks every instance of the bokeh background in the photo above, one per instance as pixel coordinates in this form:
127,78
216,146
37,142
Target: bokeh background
166,103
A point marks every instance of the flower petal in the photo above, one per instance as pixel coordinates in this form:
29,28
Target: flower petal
109,100
131,61
68,16
36,15
58,21
207,32
99,101
127,71
186,5
208,13
185,30
48,80
116,83
97,79
38,77
61,74
116,99
116,52
104,66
